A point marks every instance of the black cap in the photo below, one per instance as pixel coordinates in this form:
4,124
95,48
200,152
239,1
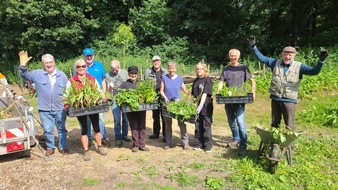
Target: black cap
133,69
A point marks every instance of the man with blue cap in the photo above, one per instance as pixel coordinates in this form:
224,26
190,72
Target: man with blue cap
96,69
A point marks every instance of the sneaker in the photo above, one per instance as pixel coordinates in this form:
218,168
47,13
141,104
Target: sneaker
166,147
118,143
101,151
105,142
208,151
86,156
234,144
126,138
197,148
186,147
135,149
49,152
153,136
242,152
144,148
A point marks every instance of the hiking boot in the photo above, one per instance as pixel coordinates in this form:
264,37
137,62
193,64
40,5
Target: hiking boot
49,152
101,151
144,148
126,138
86,156
242,152
105,142
234,144
118,143
135,149
64,151
153,136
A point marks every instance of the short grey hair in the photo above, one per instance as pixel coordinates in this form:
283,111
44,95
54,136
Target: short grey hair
45,56
171,63
239,53
114,63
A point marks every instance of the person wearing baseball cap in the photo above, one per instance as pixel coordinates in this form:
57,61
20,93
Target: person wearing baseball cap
156,72
96,69
137,120
287,75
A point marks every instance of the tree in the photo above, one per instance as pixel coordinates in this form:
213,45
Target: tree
123,38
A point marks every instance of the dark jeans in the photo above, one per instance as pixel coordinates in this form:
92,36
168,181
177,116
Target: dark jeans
203,136
285,109
157,116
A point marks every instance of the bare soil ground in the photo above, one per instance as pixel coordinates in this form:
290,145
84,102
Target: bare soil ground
121,168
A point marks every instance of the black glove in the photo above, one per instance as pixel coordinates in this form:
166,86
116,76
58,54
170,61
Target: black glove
252,41
323,54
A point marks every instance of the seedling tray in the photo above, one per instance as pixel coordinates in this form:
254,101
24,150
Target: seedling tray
234,99
74,112
166,113
142,107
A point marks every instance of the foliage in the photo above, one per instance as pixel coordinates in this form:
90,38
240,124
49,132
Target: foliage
214,183
183,108
144,93
183,178
232,91
86,96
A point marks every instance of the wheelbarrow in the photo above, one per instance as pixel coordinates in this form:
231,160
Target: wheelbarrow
275,148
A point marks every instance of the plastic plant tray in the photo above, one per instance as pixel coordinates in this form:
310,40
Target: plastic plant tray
74,112
234,99
142,107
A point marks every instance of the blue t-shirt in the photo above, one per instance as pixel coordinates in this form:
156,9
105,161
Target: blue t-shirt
172,87
97,70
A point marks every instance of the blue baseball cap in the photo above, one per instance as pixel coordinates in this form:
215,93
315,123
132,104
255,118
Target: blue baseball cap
88,51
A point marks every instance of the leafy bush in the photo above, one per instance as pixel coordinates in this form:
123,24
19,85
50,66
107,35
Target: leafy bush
184,108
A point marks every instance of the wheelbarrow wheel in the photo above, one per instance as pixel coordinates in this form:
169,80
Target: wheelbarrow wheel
274,154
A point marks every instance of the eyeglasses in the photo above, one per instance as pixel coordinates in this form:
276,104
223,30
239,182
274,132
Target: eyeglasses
199,68
81,66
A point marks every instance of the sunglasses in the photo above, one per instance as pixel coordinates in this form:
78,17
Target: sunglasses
81,66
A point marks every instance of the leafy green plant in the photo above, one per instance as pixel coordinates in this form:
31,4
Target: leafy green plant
232,91
91,182
214,183
184,108
86,96
183,178
144,93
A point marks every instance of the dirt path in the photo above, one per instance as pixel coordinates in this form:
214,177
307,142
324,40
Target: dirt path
120,168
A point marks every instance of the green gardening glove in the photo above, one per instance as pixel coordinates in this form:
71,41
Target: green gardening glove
24,58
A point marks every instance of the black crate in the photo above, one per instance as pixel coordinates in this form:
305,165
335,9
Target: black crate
166,113
234,99
142,107
74,112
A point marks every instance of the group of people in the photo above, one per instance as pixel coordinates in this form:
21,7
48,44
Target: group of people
51,84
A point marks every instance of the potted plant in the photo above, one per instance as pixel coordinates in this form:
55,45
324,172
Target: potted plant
84,101
233,95
183,110
142,98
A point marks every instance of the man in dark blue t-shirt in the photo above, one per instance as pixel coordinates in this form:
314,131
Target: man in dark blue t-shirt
235,75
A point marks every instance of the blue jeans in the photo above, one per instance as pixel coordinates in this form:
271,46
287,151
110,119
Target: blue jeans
235,114
116,110
48,120
101,124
